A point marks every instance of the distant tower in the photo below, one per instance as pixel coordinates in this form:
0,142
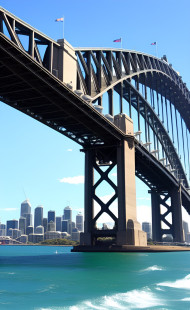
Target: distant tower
68,213
51,216
45,224
11,224
58,223
38,216
65,227
22,225
147,228
79,222
28,217
68,217
25,208
186,230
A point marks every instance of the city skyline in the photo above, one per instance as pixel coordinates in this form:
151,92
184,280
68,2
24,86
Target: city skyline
43,163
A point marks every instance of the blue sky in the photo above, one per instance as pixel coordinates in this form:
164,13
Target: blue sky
34,158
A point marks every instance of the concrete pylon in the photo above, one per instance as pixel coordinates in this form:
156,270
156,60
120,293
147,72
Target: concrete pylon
156,217
129,230
176,205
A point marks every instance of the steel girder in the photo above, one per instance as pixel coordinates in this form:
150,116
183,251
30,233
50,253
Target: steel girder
104,68
51,102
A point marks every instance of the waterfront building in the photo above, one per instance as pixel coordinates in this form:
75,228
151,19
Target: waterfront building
147,228
38,216
65,235
51,216
29,230
25,208
73,225
35,238
22,225
39,230
16,233
45,223
52,235
58,223
79,222
75,235
23,239
64,226
11,224
51,226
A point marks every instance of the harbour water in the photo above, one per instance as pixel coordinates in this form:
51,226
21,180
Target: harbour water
53,278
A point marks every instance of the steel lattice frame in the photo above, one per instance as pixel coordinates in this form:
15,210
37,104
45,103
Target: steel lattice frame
37,91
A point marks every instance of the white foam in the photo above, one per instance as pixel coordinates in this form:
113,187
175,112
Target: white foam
133,299
182,283
153,268
186,299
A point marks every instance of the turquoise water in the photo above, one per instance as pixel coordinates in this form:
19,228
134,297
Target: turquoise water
36,277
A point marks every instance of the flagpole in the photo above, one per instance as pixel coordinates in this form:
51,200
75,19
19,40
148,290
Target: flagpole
121,42
63,26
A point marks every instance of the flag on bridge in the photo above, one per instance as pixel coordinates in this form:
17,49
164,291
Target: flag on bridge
154,43
117,40
59,19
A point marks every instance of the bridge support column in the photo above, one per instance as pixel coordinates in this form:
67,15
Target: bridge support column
86,238
176,205
126,230
156,217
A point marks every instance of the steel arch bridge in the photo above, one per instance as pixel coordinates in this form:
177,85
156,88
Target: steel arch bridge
82,105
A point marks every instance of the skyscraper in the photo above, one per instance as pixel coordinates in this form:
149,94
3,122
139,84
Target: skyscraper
51,216
28,217
45,224
11,224
147,228
68,217
38,216
25,208
58,223
22,225
68,213
186,230
65,227
79,222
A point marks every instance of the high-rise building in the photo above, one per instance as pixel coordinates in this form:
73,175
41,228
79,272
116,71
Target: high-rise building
11,224
29,230
186,230
79,222
16,233
67,213
68,217
147,228
25,208
58,223
22,225
45,223
2,230
64,225
51,216
38,216
28,217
